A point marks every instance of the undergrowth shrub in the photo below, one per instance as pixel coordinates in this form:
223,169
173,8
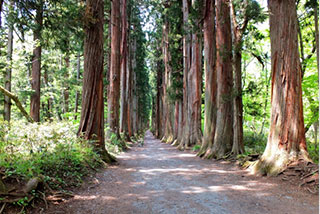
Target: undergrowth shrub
49,149
313,149
254,143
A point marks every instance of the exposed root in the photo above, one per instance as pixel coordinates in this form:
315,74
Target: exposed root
202,151
58,196
170,139
181,147
44,199
277,163
176,142
2,208
107,157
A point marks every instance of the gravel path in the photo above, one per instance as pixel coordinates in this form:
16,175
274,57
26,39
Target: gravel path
157,178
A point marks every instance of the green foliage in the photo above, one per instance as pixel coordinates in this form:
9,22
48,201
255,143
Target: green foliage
196,148
254,143
48,149
313,150
175,18
143,88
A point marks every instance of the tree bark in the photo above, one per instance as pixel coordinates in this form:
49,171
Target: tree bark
92,113
50,100
316,19
134,87
36,66
7,80
108,57
210,105
66,85
316,23
1,5
158,102
114,80
167,110
194,89
186,66
124,73
129,85
238,146
286,137
77,92
191,84
224,132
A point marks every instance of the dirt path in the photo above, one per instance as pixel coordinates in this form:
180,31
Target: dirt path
157,178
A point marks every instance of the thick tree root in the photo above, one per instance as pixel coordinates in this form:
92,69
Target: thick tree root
3,207
203,150
181,147
176,142
107,157
272,166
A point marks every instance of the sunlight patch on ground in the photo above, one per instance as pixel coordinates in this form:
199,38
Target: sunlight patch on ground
181,171
186,155
238,187
85,197
195,190
198,190
152,171
135,184
108,198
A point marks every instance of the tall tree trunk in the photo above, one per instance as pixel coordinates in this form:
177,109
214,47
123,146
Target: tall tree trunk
286,137
210,105
316,19
238,146
1,5
238,31
114,81
194,91
224,132
134,88
168,129
178,123
77,92
124,73
158,128
92,113
50,100
7,80
193,75
129,72
316,22
129,88
186,66
66,85
108,57
36,66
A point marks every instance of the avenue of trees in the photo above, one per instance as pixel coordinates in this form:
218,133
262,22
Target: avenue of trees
204,95
83,80
224,78
60,59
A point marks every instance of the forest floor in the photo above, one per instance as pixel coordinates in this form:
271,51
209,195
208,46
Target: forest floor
158,178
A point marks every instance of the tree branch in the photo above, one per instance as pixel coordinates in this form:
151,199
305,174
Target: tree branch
18,103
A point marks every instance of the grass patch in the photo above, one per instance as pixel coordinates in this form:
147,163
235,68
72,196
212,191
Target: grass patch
51,150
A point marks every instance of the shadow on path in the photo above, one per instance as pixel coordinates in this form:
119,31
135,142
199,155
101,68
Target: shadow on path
158,178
